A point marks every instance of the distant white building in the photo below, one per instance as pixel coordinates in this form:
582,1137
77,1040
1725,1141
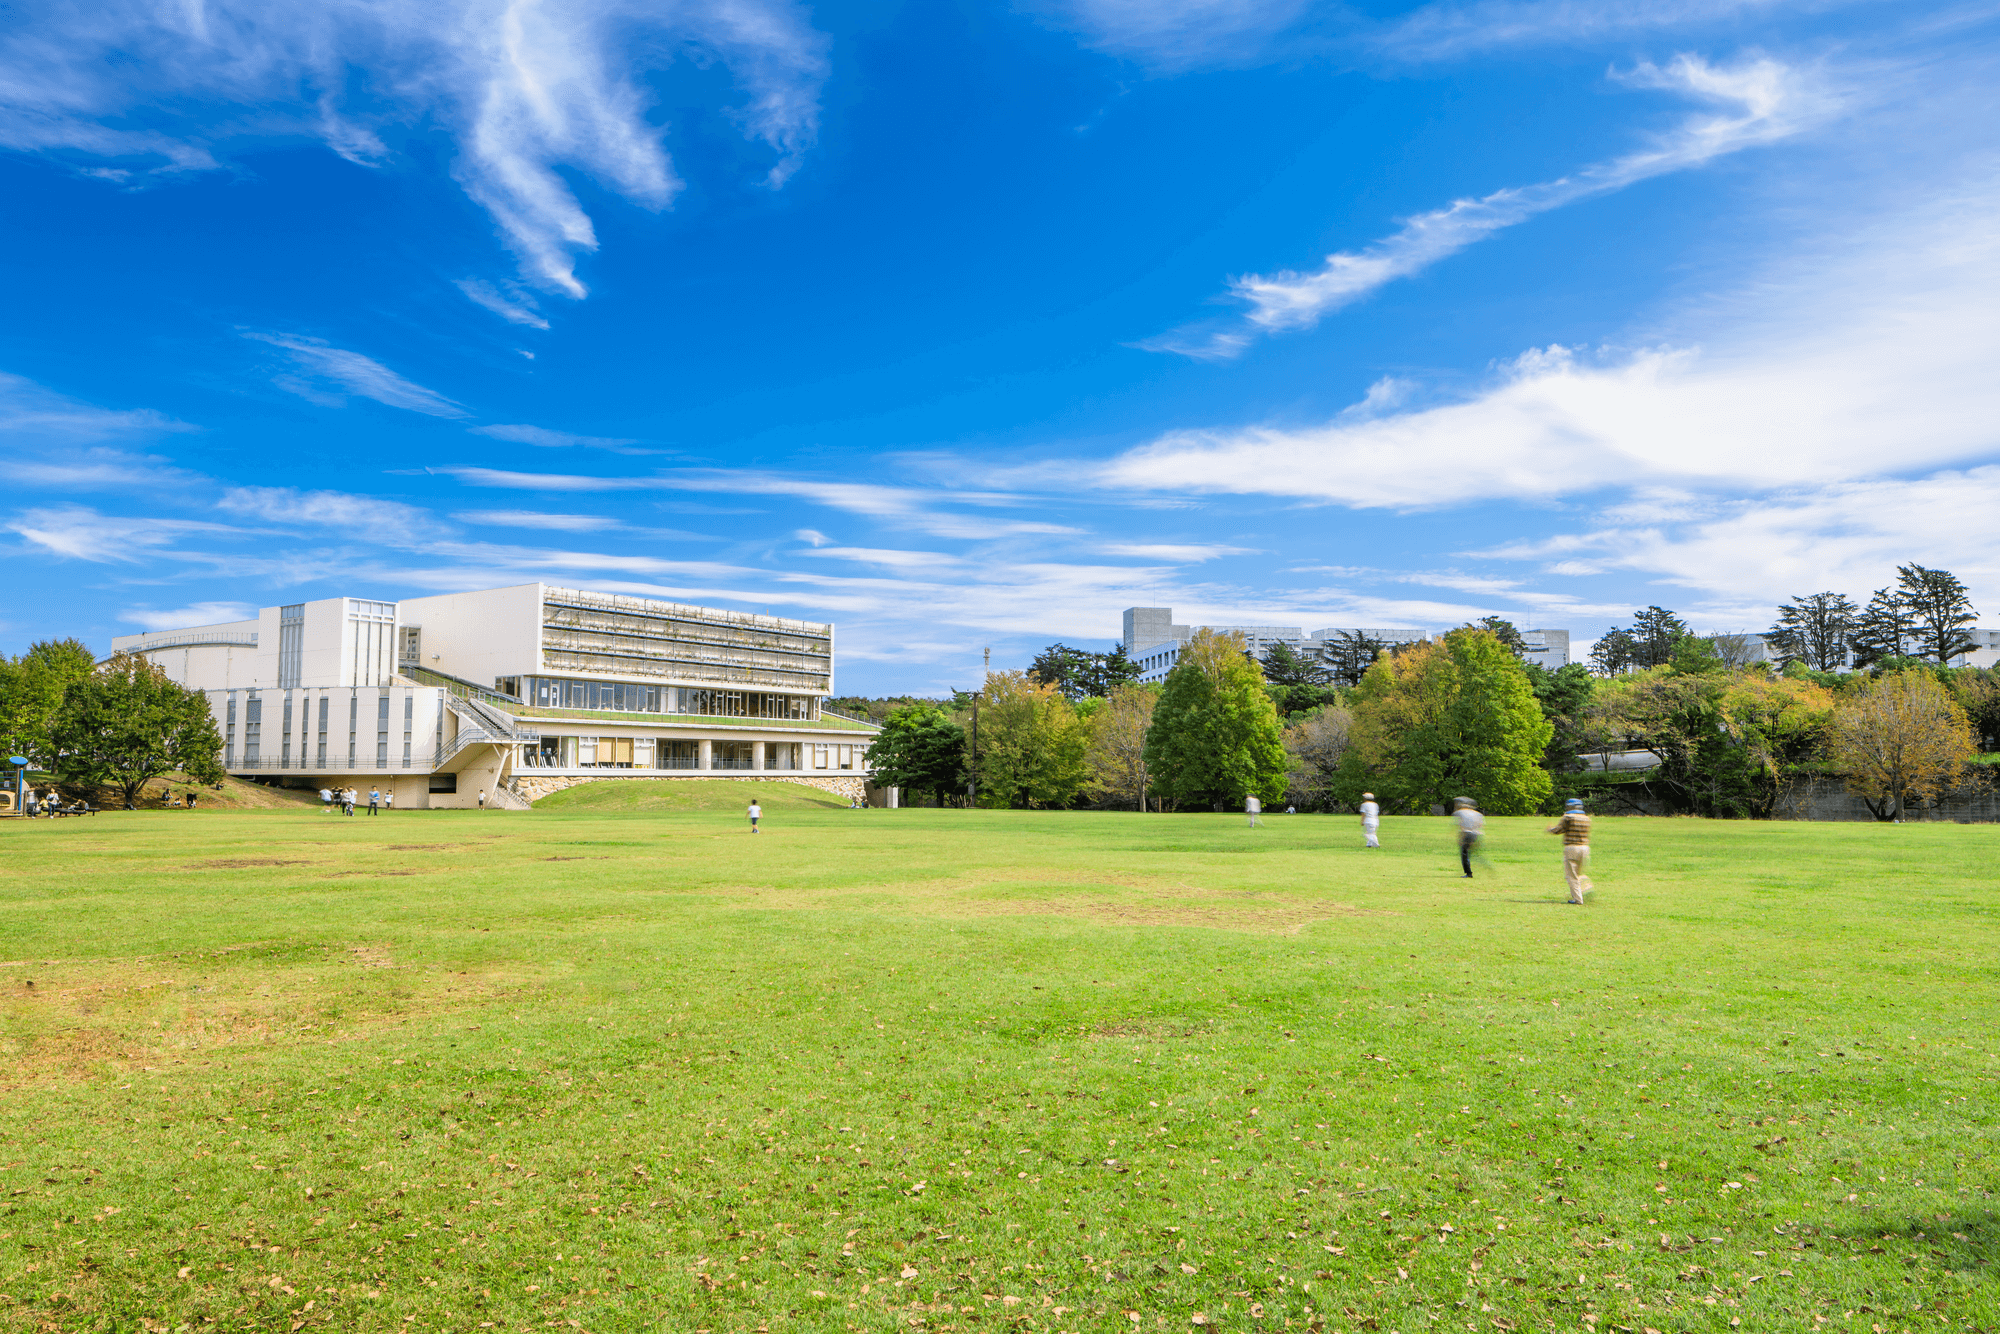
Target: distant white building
516,691
1985,651
1153,641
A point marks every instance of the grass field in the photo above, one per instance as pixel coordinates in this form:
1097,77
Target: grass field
610,1066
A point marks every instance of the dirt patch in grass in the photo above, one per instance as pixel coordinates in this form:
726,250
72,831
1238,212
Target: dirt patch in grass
1155,1030
239,863
76,1019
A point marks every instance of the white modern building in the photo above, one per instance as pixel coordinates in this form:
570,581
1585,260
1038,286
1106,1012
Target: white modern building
515,693
1153,641
1985,650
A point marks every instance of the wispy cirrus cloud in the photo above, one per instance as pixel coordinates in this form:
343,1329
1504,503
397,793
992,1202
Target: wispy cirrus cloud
1173,35
1177,553
513,305
543,438
320,364
361,518
78,532
555,523
196,613
1766,101
527,93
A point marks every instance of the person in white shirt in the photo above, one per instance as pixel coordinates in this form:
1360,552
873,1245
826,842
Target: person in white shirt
1251,806
1471,828
326,801
756,813
1371,820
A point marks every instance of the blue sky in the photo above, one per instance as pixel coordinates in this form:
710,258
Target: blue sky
974,324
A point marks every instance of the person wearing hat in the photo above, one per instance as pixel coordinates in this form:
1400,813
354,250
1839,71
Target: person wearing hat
1574,826
1471,828
1371,820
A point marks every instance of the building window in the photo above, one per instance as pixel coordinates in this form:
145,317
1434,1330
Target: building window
847,757
819,757
549,692
671,754
409,715
586,752
291,644
322,731
731,755
371,631
353,723
544,754
612,752
444,782
253,727
285,737
229,734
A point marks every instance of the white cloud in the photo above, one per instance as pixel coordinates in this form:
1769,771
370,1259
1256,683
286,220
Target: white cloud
514,306
1766,101
1447,31
1873,361
547,439
528,90
889,558
1742,557
1178,553
195,614
76,532
562,523
361,518
32,412
352,373
1173,34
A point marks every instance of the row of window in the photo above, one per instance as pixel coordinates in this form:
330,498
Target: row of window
312,735
645,752
548,692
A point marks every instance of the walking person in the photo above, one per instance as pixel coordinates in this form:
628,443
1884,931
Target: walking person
1471,829
389,801
1371,821
1251,807
482,798
326,801
374,800
755,813
347,795
1574,826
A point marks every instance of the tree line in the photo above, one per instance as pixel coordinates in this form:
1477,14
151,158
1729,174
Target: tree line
116,724
1921,617
1464,714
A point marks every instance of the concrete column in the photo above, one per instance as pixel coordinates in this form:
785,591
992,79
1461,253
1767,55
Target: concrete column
705,759
757,757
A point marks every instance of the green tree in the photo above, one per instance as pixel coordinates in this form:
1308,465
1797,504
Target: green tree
1941,608
1063,668
1504,631
1349,655
1564,696
1815,630
1728,741
1656,635
1215,735
1615,651
126,724
920,749
1316,745
1451,718
1886,628
1032,745
32,687
1110,671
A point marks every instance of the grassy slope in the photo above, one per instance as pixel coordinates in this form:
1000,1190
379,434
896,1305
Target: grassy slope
643,1071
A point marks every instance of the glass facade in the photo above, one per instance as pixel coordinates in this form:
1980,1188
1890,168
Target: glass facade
731,755
552,692
626,636
371,630
291,644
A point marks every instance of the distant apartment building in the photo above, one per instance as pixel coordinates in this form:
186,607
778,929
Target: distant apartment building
1153,641
515,690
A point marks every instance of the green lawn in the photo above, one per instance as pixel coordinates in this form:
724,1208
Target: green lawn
608,1069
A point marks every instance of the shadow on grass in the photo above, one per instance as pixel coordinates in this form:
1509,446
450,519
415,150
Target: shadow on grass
1965,1241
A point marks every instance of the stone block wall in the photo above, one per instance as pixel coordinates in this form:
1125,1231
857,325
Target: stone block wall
533,787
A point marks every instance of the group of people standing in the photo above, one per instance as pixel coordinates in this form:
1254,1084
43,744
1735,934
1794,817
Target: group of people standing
346,798
1573,826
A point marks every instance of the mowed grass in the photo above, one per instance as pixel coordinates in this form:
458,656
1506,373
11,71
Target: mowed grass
932,1070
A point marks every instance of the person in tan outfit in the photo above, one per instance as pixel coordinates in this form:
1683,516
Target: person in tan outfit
1574,826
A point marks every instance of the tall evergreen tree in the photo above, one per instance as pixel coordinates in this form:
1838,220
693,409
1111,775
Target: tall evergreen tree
1656,635
1065,668
1215,735
1815,630
1615,651
1349,655
1887,628
1941,608
1109,671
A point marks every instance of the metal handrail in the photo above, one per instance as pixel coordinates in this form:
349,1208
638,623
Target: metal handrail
459,687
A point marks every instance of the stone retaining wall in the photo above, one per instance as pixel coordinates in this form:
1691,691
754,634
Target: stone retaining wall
533,787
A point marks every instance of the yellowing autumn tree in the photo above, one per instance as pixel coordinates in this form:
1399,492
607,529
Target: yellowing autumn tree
1031,745
1898,737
